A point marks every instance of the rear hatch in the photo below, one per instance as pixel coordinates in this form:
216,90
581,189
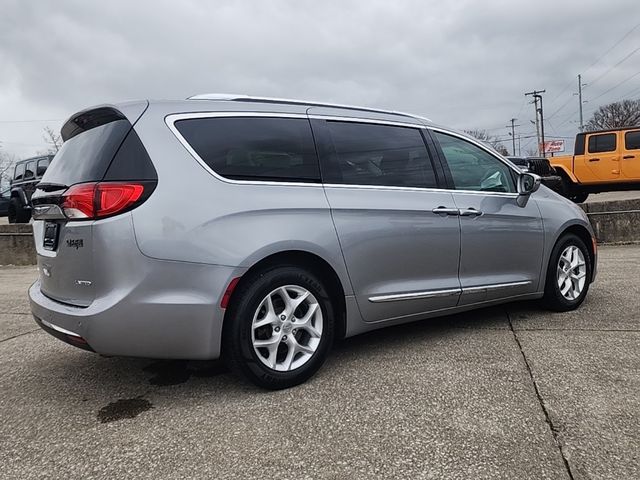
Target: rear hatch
101,170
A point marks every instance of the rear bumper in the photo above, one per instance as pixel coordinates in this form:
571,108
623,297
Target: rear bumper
172,310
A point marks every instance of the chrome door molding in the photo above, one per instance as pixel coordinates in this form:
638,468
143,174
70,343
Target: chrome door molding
415,295
447,292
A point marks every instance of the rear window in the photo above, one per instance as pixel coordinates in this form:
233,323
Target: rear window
43,163
86,156
251,148
602,143
632,140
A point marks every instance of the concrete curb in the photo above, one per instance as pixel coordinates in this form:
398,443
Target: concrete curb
16,245
614,222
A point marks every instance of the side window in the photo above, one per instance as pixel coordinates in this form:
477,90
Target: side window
473,168
602,143
18,173
30,170
371,154
254,148
43,163
632,140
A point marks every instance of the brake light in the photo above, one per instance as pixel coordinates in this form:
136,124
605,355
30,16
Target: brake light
87,201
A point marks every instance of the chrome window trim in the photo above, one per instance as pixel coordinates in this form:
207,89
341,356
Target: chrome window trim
483,147
171,119
446,292
391,123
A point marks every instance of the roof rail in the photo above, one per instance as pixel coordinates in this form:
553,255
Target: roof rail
248,98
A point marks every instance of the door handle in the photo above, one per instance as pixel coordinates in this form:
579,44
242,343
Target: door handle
627,157
470,212
445,211
594,159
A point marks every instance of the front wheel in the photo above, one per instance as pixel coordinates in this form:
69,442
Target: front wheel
17,213
568,274
279,328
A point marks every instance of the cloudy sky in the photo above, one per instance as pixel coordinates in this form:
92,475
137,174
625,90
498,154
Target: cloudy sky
462,63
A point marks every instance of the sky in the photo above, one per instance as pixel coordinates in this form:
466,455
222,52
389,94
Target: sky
464,64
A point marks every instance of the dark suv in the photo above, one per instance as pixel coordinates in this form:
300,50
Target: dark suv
542,167
26,176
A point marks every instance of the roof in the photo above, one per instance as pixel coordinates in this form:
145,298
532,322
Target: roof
609,130
287,101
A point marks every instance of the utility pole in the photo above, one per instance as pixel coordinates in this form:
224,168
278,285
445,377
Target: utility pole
538,98
580,100
513,135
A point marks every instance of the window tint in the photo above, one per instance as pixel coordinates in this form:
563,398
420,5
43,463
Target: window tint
632,140
43,163
252,148
86,156
19,172
472,168
602,143
370,154
30,170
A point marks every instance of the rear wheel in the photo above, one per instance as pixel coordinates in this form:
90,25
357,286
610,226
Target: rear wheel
16,213
279,328
568,274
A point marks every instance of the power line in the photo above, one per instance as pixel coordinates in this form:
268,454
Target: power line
617,85
614,66
611,48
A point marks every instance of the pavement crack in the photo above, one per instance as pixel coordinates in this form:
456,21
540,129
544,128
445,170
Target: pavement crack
553,428
19,335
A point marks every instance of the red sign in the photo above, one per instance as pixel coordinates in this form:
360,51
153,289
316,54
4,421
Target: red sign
553,146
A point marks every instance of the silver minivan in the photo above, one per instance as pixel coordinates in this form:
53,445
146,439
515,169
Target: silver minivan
260,230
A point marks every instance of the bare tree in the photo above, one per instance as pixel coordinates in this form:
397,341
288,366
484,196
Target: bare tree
485,137
6,168
53,140
615,115
531,152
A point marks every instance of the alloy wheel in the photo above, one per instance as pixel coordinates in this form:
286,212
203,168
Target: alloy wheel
287,328
571,272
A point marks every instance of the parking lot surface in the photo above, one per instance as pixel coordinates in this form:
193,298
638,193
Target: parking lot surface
506,392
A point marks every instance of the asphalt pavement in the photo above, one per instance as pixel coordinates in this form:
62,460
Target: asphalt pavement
510,392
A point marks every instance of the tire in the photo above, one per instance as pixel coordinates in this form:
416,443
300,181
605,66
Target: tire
570,191
281,363
554,296
578,197
16,213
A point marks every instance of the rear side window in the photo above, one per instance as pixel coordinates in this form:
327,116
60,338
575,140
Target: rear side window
30,170
632,140
254,148
371,154
18,173
602,143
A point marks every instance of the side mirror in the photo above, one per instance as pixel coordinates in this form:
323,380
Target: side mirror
527,184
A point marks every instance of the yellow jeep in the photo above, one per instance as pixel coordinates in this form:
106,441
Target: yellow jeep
603,161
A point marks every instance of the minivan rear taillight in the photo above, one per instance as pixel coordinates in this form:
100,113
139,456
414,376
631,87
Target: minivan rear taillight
88,201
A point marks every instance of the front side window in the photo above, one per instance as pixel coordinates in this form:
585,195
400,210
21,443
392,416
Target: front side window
602,143
632,140
18,173
254,148
473,168
371,154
